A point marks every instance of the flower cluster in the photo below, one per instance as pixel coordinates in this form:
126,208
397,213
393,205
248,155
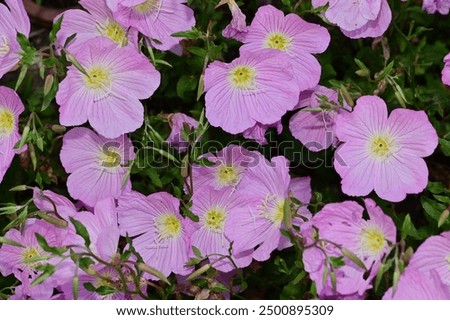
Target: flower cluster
222,210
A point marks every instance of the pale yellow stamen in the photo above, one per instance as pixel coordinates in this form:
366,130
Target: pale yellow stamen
272,209
7,122
29,254
381,145
227,175
214,219
372,240
243,77
98,78
4,46
168,226
277,40
116,33
109,158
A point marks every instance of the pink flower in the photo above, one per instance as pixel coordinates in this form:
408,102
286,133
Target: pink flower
177,122
383,154
162,235
156,19
265,187
10,108
417,285
258,131
228,168
241,93
97,22
292,35
108,94
46,200
446,70
441,6
358,19
434,255
237,29
12,21
316,128
214,235
103,228
97,166
341,225
16,260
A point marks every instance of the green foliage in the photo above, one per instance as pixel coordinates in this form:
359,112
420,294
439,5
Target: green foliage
403,67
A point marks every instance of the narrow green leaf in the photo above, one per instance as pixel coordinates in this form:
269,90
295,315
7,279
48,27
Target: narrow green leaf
81,230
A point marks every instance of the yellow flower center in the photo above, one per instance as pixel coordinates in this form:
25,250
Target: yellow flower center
278,41
116,33
381,145
110,158
7,122
146,7
168,226
4,46
28,254
372,240
227,175
214,219
98,78
279,212
272,209
243,77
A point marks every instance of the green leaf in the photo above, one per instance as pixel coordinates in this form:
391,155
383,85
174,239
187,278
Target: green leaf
154,176
197,252
197,51
437,188
220,287
81,230
190,34
408,228
85,262
433,209
55,28
337,262
445,146
105,290
44,245
186,84
48,270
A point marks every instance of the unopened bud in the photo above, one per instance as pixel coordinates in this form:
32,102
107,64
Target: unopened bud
48,84
145,268
198,272
58,128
